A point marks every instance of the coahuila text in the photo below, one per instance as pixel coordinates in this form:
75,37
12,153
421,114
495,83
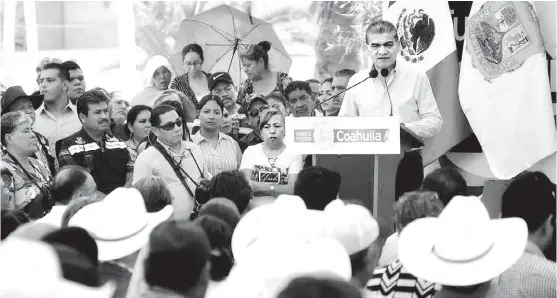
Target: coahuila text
360,135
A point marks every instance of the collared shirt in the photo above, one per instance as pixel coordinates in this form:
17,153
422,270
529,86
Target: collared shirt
151,162
394,281
226,156
411,95
108,163
55,129
531,276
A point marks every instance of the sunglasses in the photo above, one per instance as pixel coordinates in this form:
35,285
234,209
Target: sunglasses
170,126
256,112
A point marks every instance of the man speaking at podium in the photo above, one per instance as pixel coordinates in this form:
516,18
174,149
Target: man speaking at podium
389,89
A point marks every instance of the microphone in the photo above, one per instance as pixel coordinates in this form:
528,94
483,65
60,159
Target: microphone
385,74
372,74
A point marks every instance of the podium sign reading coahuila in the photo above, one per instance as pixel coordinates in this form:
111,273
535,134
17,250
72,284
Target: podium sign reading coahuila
343,135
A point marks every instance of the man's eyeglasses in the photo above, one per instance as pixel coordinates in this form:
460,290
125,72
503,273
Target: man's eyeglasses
256,112
170,126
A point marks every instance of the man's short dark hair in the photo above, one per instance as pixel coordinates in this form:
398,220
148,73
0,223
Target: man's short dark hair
316,81
90,97
446,182
63,73
233,186
530,196
70,65
311,287
317,186
327,80
178,253
297,85
381,27
345,72
67,182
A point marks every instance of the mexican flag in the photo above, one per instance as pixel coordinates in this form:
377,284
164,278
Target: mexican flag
504,86
425,29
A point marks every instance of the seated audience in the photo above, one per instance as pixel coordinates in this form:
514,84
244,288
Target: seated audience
463,250
317,186
446,182
313,287
172,244
411,206
70,184
234,186
155,193
531,197
222,208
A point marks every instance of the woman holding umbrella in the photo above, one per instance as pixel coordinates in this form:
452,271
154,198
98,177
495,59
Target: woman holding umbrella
195,82
261,79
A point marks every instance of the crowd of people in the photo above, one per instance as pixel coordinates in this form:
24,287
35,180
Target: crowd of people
189,189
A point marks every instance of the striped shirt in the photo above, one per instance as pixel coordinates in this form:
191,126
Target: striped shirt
394,281
226,156
531,276
182,84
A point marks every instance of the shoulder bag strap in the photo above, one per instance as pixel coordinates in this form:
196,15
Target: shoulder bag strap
177,169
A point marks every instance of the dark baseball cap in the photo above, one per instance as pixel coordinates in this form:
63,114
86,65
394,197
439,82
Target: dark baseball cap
219,77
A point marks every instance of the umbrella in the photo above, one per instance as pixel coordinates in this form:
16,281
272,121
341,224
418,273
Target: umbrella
223,32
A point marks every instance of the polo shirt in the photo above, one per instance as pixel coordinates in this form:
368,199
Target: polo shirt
411,95
55,129
151,162
226,156
108,163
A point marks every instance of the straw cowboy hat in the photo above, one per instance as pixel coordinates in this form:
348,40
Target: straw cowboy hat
463,246
119,223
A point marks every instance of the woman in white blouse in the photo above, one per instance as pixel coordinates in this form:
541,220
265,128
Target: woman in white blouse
270,167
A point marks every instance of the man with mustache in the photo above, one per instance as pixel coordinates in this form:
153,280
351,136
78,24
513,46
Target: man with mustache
106,157
299,99
340,81
77,80
118,112
221,85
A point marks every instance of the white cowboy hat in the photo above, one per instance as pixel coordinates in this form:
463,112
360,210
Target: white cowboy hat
463,246
31,269
270,267
119,223
352,225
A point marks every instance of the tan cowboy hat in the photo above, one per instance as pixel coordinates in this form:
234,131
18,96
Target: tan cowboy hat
463,246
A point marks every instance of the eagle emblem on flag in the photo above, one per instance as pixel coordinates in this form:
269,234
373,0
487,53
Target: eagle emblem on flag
501,36
416,31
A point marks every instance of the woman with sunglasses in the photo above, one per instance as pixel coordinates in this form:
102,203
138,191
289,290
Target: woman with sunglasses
222,152
179,162
271,167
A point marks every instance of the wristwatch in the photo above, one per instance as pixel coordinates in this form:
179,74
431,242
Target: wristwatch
272,190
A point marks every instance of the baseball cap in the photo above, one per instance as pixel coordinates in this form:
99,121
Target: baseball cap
218,77
254,98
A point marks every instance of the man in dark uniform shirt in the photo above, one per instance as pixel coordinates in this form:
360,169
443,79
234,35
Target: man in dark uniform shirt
105,156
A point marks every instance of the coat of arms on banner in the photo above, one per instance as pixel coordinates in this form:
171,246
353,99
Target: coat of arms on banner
416,31
501,36
324,134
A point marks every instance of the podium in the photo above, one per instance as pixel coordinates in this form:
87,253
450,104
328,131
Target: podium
365,151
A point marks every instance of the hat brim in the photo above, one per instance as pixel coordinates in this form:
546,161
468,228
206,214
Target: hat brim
113,250
36,101
66,288
416,243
